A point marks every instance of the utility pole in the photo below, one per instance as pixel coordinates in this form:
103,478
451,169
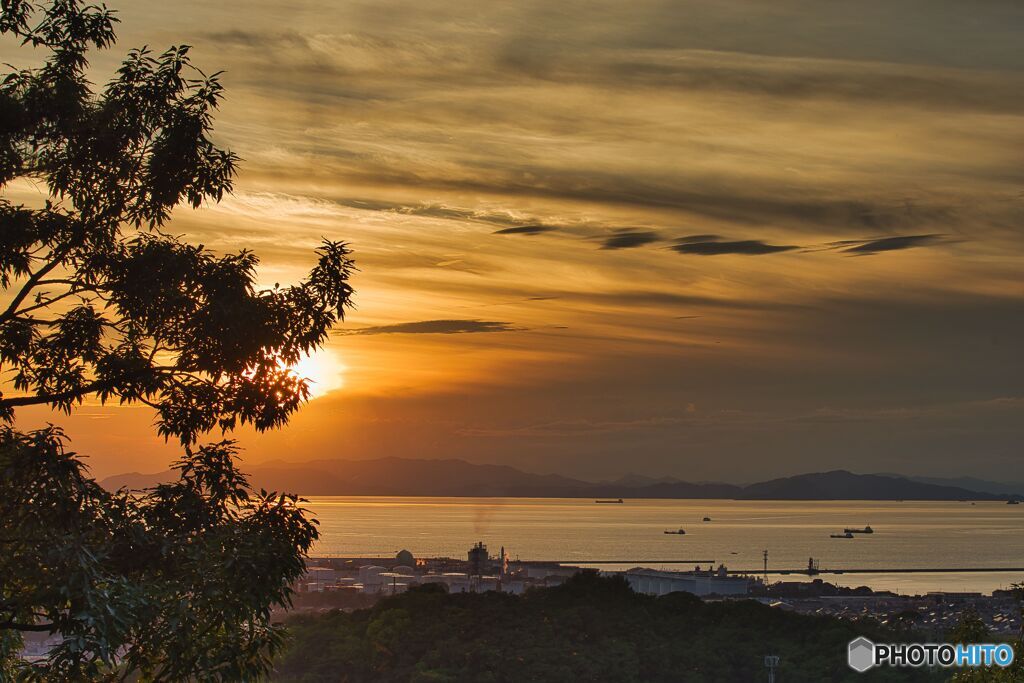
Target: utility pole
771,661
766,567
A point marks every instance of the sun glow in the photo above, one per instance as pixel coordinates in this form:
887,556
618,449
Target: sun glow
323,370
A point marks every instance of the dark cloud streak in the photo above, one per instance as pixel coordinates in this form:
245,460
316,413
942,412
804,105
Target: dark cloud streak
438,327
525,230
715,247
628,239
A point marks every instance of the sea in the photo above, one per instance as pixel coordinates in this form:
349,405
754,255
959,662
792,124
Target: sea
945,537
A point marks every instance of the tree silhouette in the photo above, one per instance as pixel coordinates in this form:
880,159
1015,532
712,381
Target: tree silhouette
99,301
105,303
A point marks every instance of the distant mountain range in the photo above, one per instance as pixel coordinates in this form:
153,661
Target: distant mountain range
415,477
1007,488
843,485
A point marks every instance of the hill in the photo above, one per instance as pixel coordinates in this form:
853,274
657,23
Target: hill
137,480
843,485
588,629
1001,488
411,477
415,477
387,477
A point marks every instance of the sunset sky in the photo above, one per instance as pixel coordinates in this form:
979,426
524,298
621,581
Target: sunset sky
711,239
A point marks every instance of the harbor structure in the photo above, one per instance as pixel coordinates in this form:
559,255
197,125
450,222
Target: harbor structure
698,582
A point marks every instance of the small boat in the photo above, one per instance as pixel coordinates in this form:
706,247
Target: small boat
865,530
678,532
1013,501
846,534
617,500
707,519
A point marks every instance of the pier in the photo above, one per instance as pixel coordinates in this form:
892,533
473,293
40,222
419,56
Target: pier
760,571
883,570
635,563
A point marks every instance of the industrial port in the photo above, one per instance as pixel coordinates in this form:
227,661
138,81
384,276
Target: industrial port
480,571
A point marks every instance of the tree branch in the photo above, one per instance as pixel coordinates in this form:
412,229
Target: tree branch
17,626
39,399
91,388
33,282
49,302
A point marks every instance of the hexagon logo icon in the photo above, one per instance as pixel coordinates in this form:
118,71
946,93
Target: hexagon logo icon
861,655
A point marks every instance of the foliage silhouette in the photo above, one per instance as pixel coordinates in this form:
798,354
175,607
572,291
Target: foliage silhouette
972,630
99,301
173,585
588,629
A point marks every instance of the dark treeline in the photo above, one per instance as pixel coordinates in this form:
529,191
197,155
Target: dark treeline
588,629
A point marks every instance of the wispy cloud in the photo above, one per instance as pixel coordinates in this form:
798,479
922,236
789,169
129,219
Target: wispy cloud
882,244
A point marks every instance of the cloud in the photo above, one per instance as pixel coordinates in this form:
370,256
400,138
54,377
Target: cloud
656,298
730,198
457,213
711,245
726,68
438,327
525,230
715,71
627,239
1008,404
475,140
434,105
579,427
431,210
698,238
875,246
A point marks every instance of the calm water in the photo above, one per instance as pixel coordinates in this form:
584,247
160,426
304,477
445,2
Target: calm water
907,534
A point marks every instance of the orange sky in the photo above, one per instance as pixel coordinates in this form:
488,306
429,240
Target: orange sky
743,239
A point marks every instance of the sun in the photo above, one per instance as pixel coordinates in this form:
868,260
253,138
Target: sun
325,372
